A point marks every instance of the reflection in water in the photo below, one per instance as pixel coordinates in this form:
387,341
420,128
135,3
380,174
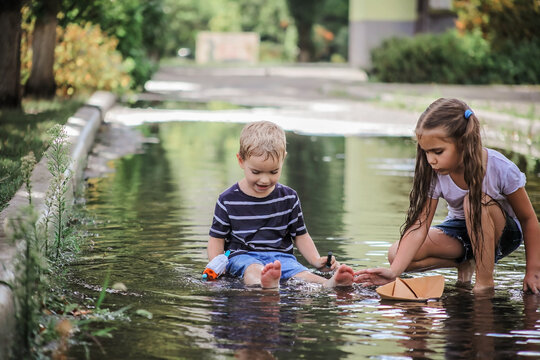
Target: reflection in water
151,219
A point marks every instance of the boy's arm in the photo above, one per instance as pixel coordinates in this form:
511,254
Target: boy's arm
306,246
215,247
521,204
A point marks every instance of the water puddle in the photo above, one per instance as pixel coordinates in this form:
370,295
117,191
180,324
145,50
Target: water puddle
150,223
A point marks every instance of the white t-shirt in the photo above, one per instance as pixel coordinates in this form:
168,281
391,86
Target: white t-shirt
502,178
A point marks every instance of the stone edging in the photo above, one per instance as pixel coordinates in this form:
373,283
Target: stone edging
81,129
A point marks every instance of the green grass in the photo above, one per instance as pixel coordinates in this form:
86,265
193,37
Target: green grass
25,131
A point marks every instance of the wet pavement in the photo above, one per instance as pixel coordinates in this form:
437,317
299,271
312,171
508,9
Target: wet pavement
333,100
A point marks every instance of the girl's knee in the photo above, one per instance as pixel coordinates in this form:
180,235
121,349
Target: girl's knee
392,252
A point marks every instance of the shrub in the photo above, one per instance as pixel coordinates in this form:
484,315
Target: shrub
87,60
517,63
445,58
451,58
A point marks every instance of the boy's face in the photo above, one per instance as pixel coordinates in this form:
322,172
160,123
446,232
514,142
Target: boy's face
260,175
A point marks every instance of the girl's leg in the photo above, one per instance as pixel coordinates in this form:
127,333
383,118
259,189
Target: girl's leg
438,251
493,222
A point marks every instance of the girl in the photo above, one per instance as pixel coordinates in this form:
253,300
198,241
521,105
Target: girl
489,211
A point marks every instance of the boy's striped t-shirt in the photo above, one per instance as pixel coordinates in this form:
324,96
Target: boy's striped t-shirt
249,223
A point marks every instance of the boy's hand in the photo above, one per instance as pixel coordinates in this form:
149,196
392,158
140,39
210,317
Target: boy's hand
321,264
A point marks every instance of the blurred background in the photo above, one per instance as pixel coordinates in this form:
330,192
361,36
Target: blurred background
63,44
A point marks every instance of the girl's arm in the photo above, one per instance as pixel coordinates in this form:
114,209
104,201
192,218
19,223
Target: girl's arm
521,204
306,246
409,245
215,247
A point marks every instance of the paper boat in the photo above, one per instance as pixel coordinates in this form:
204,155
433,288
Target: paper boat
415,289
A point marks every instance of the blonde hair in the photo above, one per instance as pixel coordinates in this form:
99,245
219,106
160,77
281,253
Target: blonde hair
449,115
262,138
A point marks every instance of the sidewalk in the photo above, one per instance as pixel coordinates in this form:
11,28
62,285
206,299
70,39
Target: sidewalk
336,100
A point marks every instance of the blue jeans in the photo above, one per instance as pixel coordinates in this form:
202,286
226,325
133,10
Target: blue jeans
289,265
510,239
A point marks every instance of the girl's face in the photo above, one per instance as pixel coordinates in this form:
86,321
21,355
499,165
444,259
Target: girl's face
441,152
260,175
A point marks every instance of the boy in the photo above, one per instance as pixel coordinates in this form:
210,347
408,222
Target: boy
258,218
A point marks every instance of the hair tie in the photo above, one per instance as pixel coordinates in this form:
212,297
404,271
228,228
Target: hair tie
468,113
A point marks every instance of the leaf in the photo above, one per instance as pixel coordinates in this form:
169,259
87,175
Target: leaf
104,332
145,313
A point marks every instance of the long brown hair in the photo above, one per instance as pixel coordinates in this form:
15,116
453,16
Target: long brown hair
449,115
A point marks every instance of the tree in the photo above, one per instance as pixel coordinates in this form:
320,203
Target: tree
10,53
500,21
304,13
41,83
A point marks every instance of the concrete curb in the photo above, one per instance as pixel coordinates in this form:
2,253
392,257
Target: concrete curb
81,129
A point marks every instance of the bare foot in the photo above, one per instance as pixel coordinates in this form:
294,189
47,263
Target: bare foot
342,277
270,275
465,273
483,292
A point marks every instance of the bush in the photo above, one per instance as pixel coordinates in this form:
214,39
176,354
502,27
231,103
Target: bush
451,58
447,58
86,59
518,63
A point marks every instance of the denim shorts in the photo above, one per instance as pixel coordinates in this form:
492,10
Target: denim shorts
510,239
289,265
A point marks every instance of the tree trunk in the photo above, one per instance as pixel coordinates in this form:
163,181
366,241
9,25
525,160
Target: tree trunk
304,13
422,23
41,82
10,53
305,43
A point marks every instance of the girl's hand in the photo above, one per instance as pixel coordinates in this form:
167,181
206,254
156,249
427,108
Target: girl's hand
320,264
376,276
531,282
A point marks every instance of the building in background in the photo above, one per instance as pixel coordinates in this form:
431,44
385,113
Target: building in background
373,21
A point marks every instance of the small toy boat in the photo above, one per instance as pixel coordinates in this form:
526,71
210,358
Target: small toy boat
414,289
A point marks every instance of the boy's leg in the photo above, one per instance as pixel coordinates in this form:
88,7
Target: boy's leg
266,276
250,267
252,274
343,276
270,275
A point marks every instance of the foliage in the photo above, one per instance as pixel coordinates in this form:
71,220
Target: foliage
304,13
500,20
59,166
446,58
450,58
270,19
30,281
45,320
86,61
25,131
27,165
81,53
334,18
517,63
139,26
